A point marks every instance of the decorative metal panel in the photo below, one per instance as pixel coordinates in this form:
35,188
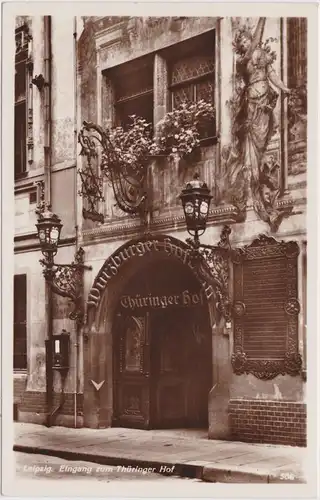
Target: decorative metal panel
185,75
192,67
182,94
205,90
266,309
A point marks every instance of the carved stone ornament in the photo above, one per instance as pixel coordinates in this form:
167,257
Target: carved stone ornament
239,309
266,369
292,307
266,309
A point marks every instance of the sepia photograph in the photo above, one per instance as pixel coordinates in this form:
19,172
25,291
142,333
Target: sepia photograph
159,329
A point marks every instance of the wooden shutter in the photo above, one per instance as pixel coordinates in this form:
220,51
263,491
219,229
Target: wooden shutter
266,309
20,322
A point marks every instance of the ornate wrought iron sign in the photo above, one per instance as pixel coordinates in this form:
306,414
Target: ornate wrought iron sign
266,309
212,263
91,182
128,179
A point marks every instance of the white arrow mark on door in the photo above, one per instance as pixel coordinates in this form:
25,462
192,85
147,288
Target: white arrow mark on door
96,385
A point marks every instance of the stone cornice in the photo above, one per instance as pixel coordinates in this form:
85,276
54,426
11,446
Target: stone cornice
27,187
29,242
128,228
110,35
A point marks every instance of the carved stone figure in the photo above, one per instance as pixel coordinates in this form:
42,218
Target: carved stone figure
253,123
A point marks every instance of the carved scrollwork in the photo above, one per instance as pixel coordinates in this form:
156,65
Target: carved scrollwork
293,363
266,369
292,307
292,249
239,362
239,309
237,254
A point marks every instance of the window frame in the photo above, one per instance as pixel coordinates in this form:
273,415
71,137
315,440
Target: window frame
111,75
18,280
185,49
125,70
21,58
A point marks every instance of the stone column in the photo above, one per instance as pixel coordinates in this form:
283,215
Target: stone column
160,85
219,396
225,62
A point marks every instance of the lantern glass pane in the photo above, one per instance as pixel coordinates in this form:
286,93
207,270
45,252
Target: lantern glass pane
54,235
42,235
204,207
188,208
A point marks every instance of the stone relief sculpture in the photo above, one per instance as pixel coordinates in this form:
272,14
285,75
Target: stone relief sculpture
249,177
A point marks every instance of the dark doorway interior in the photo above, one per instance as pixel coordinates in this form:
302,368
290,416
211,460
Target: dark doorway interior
162,350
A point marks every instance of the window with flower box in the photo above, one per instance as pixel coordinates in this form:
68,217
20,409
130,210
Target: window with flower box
20,105
191,67
133,90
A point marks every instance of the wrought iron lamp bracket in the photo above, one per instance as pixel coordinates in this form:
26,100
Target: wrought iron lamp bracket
66,280
212,264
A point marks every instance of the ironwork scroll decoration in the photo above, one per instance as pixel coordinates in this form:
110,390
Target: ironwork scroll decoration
128,180
66,280
91,183
213,270
291,362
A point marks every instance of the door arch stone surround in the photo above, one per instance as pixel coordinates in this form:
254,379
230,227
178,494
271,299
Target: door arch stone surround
98,348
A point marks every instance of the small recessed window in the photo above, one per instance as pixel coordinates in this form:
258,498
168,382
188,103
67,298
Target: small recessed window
33,197
133,90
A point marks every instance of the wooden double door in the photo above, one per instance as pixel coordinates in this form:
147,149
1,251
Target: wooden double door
162,368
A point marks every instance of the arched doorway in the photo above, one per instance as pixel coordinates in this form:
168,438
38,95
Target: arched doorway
162,354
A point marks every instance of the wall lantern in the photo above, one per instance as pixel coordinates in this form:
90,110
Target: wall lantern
211,261
49,228
64,279
196,198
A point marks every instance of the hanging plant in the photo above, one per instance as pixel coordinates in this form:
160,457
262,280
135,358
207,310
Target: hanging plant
179,132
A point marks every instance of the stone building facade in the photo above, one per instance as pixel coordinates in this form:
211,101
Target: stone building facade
152,339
